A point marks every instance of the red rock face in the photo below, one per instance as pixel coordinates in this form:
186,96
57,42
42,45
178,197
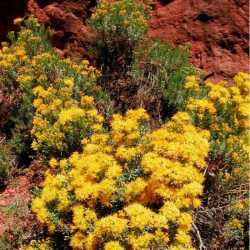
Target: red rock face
66,19
217,31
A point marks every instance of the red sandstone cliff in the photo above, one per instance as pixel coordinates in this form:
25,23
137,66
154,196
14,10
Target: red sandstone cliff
216,29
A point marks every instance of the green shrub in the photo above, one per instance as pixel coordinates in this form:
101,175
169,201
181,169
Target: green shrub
120,26
166,68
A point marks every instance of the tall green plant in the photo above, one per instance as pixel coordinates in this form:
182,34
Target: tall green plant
120,26
166,68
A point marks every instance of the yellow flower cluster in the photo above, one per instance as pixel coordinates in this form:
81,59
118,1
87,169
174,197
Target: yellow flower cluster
124,17
128,186
21,47
191,83
224,111
61,119
14,64
222,98
10,57
17,79
237,211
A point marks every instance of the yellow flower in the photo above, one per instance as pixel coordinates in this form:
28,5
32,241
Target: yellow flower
110,224
69,115
126,153
185,221
69,82
183,238
85,62
191,83
63,164
170,211
235,224
113,245
38,207
142,242
134,188
87,100
53,163
122,12
77,241
20,52
18,20
37,102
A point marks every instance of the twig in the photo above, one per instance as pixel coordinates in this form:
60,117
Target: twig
198,235
205,171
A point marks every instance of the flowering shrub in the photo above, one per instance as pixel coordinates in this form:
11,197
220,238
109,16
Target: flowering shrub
119,184
31,65
9,95
14,63
17,79
120,26
224,111
129,188
62,116
235,227
124,18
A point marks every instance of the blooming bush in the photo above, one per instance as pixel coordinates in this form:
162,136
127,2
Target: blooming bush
120,26
118,183
31,65
122,18
129,188
15,78
224,111
62,116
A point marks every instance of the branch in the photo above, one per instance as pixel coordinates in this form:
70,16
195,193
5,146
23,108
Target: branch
198,235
